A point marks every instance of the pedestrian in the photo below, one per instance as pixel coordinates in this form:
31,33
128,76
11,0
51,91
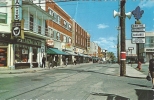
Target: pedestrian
43,61
66,61
151,69
50,61
139,65
75,61
56,60
79,60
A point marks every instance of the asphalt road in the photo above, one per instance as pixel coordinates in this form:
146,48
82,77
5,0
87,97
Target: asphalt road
81,82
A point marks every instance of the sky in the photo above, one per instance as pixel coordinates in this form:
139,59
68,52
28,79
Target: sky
96,17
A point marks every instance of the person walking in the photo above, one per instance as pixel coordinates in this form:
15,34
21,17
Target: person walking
66,61
43,61
139,65
151,70
75,61
56,60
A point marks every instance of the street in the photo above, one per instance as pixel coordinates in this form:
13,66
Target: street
80,82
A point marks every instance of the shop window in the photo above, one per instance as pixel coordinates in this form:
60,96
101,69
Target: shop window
3,57
21,54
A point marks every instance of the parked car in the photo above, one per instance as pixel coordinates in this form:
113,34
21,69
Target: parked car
101,62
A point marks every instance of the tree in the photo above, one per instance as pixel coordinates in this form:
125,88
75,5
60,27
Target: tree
111,56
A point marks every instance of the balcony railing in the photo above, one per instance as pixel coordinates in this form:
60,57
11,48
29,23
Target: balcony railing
33,27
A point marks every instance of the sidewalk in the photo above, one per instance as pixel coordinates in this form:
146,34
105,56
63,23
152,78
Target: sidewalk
130,71
32,70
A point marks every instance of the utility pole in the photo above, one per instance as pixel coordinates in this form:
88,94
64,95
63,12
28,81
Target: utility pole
123,49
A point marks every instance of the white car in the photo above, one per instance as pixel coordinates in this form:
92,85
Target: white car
101,62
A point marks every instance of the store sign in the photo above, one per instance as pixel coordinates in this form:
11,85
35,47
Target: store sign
50,43
149,50
17,10
138,40
16,28
68,45
138,34
138,30
138,25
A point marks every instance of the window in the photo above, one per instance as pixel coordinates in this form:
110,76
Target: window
76,39
3,57
50,32
70,27
39,26
58,36
3,18
3,13
58,19
70,40
64,38
31,22
81,41
21,53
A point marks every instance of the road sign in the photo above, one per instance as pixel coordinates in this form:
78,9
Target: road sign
138,34
16,28
130,48
138,29
138,25
138,40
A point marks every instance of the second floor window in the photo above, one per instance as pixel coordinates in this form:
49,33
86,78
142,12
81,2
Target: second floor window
58,36
3,18
3,13
64,39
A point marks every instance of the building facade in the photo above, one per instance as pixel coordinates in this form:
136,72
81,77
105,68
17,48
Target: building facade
6,46
60,30
147,49
131,52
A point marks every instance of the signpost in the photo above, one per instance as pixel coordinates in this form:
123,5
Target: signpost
138,33
138,29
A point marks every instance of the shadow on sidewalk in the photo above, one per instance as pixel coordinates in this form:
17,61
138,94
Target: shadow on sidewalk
144,94
138,85
111,96
136,77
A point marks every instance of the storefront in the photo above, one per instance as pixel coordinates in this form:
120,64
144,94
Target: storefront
3,54
27,53
5,50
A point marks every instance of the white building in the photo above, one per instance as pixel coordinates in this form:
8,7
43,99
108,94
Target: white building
26,46
93,49
6,46
131,53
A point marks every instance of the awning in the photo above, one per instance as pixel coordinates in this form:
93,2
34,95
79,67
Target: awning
55,51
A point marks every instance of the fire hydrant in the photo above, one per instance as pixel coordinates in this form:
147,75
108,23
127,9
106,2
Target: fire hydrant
139,65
